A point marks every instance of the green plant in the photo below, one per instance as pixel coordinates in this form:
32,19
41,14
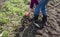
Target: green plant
12,12
5,34
4,21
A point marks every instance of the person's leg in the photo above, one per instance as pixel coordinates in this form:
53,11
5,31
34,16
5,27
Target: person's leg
37,10
43,9
44,19
41,5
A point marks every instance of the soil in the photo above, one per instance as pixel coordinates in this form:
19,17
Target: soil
52,28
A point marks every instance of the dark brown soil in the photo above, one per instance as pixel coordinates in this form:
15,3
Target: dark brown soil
52,28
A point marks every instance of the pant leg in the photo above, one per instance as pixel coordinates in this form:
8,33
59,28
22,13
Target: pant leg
41,4
37,9
43,9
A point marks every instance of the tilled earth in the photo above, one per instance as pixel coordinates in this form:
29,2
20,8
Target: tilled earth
52,28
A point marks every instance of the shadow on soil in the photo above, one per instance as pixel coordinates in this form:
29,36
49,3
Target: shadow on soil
25,21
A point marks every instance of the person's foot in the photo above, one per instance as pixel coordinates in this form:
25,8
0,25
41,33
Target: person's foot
44,19
37,24
34,18
43,22
35,21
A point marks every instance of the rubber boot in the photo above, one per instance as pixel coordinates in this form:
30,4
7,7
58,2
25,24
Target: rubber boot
35,18
44,20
